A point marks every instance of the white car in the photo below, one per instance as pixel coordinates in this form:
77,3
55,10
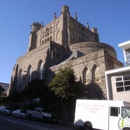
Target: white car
5,111
1,108
18,113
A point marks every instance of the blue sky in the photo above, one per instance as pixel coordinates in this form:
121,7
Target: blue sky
111,17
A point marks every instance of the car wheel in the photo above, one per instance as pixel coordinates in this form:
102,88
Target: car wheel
43,119
21,116
126,128
29,117
88,125
54,121
5,113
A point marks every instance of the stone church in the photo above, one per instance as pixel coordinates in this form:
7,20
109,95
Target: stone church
64,42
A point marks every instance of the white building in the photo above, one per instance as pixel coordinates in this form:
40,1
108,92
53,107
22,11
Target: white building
118,80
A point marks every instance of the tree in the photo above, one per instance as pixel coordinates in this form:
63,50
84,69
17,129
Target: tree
14,96
36,88
64,85
93,91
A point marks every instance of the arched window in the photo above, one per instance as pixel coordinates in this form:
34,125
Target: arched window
21,77
82,28
41,71
51,29
16,70
50,38
79,39
20,80
47,32
82,39
30,74
93,73
78,26
84,75
52,54
43,33
57,24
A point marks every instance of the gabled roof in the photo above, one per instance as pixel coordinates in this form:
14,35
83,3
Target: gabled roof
72,55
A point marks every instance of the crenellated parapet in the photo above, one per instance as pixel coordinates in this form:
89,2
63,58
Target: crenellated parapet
36,26
65,9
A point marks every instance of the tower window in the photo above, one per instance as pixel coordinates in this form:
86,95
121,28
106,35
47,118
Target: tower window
30,74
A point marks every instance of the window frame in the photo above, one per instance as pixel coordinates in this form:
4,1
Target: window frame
122,83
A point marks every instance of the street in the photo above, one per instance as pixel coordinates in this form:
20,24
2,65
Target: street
11,123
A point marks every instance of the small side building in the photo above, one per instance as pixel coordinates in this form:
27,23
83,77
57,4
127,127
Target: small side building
118,80
5,86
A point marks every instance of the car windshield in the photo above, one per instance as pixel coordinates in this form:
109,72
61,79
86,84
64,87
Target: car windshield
17,110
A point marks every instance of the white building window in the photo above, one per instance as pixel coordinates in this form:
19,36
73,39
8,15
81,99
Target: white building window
123,83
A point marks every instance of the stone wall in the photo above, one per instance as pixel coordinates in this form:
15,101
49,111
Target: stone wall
48,54
87,61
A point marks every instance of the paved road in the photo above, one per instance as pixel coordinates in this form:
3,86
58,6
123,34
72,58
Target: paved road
11,123
13,126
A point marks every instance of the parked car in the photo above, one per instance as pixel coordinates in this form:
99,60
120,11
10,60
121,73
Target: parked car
42,114
1,108
5,110
18,113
